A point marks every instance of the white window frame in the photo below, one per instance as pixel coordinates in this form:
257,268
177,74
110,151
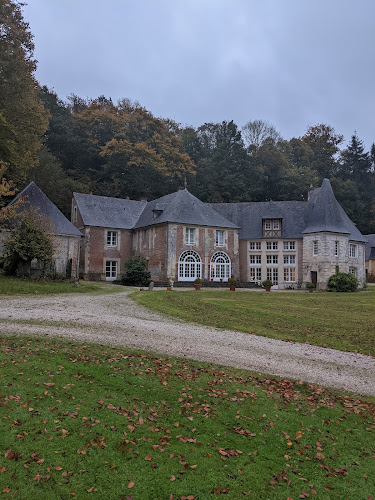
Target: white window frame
255,245
255,260
273,275
276,225
272,260
111,239
189,266
353,270
353,250
190,234
272,245
220,267
289,245
290,260
268,225
111,268
220,238
255,273
315,248
289,274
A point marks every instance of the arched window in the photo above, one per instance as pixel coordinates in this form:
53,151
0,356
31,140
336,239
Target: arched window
220,268
189,266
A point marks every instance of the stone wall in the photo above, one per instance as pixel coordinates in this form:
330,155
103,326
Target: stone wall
326,263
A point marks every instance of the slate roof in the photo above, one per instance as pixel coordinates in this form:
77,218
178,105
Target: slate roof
326,214
182,207
370,247
35,197
249,217
321,213
102,211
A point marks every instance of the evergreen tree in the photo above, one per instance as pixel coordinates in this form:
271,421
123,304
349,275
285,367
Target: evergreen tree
23,119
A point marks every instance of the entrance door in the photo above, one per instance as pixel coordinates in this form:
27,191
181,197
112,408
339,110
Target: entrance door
314,277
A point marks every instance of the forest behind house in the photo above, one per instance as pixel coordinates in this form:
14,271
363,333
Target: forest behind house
94,145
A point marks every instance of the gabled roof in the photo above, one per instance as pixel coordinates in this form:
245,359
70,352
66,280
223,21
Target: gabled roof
370,246
103,211
249,217
182,207
326,215
35,198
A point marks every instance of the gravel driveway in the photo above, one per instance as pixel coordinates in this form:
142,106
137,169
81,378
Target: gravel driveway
116,320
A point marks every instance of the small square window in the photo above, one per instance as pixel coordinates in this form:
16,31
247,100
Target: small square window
272,245
254,245
289,245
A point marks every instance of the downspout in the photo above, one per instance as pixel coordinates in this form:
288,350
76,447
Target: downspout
167,252
77,263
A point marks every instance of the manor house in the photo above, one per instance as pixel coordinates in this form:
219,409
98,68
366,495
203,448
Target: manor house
182,238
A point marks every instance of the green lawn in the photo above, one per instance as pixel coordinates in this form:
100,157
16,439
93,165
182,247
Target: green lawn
343,321
82,421
17,286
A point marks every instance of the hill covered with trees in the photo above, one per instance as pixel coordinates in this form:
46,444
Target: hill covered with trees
121,149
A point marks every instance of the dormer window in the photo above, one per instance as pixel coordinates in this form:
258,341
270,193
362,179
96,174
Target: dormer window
272,228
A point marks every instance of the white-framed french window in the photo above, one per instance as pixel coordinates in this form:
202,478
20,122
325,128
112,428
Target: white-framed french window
272,245
111,270
273,275
268,225
112,239
255,267
289,268
315,247
255,245
220,267
220,238
276,225
336,248
190,236
189,266
353,270
353,250
289,245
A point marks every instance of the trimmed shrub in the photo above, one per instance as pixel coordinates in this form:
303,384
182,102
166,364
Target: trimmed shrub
342,282
136,273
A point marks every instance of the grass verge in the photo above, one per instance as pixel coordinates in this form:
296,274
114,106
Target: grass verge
17,286
82,421
343,321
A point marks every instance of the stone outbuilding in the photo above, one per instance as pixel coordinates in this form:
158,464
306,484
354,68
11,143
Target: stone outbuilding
66,237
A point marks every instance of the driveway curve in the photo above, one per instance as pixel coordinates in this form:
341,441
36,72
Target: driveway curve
115,319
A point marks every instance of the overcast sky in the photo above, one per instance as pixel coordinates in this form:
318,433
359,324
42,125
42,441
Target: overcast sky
294,63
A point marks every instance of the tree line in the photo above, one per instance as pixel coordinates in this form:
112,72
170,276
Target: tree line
121,149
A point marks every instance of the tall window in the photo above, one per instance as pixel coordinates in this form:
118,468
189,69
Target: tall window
336,248
220,239
110,270
272,245
315,247
254,245
220,266
289,268
190,236
289,245
111,238
272,268
255,267
189,266
353,250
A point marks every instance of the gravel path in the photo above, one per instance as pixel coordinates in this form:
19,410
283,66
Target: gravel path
116,320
